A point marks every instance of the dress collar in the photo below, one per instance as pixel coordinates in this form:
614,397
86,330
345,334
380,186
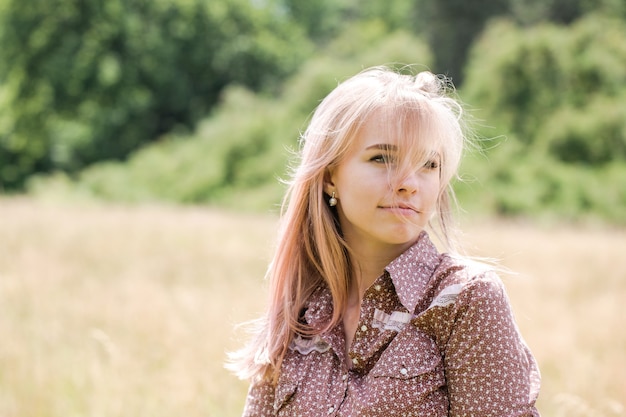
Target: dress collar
412,270
410,273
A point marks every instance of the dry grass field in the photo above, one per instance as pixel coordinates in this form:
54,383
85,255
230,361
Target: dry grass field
110,311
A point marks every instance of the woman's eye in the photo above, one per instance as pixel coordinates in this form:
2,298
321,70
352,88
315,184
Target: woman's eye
383,159
432,164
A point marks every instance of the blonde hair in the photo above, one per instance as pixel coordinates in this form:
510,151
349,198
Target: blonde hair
419,111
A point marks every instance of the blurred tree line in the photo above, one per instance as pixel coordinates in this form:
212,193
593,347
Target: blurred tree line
196,100
89,80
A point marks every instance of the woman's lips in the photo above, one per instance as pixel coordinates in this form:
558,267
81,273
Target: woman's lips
404,209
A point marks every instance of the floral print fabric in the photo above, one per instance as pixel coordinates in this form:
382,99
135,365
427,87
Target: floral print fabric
436,337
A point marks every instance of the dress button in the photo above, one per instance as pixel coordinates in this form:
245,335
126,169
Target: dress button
344,377
404,371
364,328
331,409
355,360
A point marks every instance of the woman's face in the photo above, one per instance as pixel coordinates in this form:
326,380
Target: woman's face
376,207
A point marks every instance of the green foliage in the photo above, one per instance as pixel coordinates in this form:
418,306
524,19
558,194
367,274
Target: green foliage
236,156
557,93
323,20
234,149
511,183
450,27
529,12
82,81
202,100
552,87
592,134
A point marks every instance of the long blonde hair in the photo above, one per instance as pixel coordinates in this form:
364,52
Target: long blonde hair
310,250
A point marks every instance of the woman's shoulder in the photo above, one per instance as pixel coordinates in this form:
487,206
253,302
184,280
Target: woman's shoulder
458,275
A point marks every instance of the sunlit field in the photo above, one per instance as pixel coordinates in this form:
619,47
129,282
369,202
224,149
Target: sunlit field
112,311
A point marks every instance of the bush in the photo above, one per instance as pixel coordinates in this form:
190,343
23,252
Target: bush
84,81
556,94
593,134
522,77
510,184
236,156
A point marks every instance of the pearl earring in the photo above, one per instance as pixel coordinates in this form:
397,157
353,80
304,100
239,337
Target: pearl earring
332,201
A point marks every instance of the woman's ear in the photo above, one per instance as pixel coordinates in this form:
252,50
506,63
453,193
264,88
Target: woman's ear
329,185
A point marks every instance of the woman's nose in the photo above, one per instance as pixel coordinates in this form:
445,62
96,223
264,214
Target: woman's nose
408,184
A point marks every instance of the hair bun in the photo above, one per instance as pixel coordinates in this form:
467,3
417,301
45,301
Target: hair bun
428,83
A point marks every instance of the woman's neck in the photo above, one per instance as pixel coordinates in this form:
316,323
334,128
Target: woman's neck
369,263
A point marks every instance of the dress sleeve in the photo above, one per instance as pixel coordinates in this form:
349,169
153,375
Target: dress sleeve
489,369
260,400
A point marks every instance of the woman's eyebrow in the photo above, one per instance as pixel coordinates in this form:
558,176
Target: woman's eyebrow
383,147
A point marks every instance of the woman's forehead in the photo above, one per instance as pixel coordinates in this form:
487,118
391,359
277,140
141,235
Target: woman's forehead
395,133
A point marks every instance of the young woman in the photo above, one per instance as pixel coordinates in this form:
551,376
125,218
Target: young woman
366,317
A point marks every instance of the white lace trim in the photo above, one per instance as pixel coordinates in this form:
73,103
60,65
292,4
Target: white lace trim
394,321
306,346
447,296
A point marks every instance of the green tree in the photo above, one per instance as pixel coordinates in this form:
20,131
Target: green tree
324,20
86,80
529,12
321,19
545,85
450,27
556,94
236,154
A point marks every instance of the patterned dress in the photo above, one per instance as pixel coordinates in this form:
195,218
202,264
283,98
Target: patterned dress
436,337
